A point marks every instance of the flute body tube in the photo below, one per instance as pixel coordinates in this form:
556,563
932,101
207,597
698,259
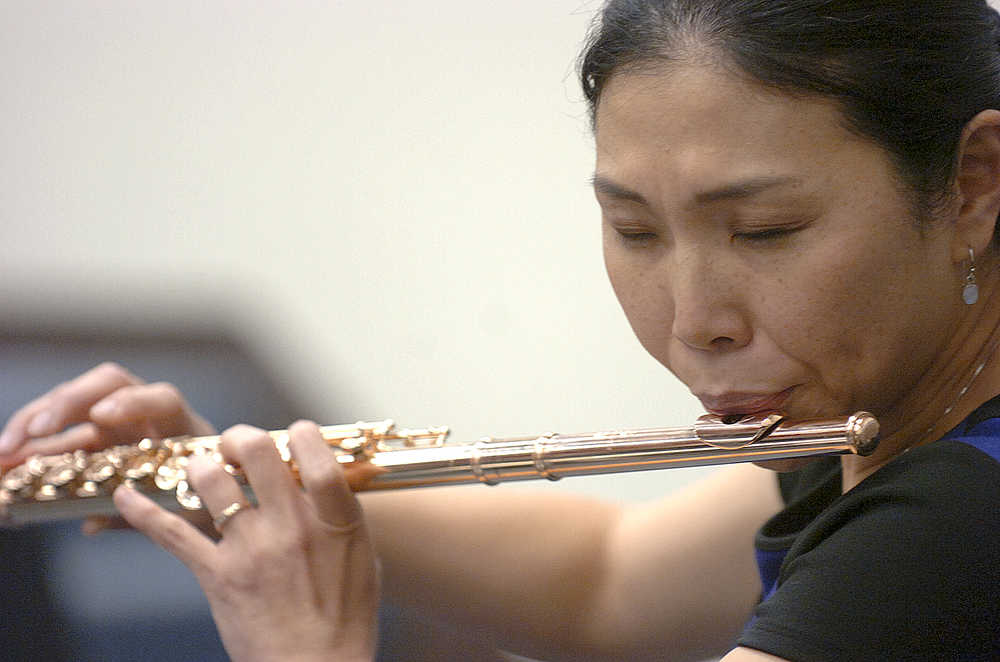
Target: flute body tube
79,484
554,456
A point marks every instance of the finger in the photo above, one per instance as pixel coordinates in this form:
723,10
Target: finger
64,405
83,436
95,524
166,529
322,476
160,407
71,401
359,475
79,437
217,489
15,432
271,479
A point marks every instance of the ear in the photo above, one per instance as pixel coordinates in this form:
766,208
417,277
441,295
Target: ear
978,184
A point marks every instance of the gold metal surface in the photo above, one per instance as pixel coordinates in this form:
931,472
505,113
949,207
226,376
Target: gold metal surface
78,484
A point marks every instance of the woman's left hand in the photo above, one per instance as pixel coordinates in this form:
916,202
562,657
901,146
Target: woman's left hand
293,577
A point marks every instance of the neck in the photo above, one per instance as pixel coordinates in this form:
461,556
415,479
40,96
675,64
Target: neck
968,376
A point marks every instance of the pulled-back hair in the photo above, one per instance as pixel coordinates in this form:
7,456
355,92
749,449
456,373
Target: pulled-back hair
907,74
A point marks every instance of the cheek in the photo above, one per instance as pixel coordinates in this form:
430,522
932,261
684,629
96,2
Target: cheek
862,331
643,299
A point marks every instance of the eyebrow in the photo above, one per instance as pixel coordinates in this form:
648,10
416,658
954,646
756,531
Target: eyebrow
739,190
746,188
613,189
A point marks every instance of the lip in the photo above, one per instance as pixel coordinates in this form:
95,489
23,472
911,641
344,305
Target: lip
736,403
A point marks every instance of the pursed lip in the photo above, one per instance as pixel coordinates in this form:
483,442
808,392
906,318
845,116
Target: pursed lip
736,403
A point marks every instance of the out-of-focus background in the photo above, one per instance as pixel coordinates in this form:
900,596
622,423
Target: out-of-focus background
340,210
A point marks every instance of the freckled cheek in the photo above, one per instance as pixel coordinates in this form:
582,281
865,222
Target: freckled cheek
814,341
820,326
647,308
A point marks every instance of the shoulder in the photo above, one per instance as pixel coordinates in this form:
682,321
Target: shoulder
938,466
905,565
913,520
942,479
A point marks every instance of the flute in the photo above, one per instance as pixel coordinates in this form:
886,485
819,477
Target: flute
80,484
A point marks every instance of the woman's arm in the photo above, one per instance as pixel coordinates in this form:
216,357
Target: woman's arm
556,575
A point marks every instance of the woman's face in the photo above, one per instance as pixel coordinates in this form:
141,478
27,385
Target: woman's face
764,253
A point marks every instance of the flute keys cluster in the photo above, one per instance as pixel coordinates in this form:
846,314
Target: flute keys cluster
83,475
158,467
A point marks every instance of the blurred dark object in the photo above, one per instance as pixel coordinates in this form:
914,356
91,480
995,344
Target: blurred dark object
117,596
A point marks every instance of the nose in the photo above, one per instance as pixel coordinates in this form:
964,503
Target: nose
709,303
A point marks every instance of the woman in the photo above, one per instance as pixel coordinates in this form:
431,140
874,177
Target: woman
799,205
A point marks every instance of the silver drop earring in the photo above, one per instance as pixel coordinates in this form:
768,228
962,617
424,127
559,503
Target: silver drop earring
970,293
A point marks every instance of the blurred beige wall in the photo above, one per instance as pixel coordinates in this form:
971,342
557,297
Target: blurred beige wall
387,199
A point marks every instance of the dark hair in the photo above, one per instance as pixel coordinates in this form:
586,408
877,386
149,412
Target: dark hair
908,74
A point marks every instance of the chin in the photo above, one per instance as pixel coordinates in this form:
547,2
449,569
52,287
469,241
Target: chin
784,466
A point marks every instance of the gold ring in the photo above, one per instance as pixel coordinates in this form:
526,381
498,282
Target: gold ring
227,513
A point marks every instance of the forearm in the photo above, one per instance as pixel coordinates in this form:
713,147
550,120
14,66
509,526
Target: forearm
558,576
524,565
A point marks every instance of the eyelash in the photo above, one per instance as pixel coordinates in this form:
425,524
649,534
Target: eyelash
766,234
763,235
635,237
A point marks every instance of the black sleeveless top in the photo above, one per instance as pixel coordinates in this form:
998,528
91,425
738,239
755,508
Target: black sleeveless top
905,566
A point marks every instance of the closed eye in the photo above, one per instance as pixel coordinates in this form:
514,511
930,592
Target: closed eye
635,236
767,234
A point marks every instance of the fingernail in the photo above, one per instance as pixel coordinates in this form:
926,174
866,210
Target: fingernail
104,409
6,443
124,494
41,424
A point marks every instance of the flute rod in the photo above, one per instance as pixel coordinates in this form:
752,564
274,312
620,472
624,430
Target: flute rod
79,484
556,456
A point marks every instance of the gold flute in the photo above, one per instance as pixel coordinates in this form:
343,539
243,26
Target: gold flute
79,484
